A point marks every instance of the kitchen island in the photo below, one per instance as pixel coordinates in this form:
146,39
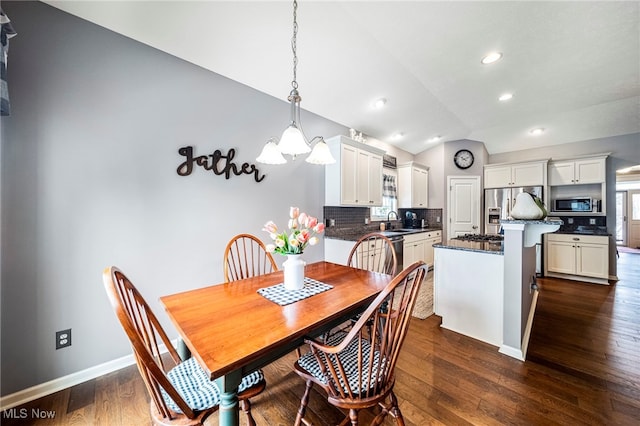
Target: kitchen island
469,283
485,290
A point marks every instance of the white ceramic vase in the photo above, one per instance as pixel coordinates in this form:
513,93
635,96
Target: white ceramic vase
526,208
294,272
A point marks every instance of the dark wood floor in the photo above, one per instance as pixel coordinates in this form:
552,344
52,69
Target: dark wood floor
583,367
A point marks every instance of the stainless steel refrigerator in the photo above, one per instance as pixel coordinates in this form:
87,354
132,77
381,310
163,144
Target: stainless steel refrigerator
499,202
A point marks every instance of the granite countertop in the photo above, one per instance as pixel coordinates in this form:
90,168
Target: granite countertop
534,221
496,247
584,230
355,234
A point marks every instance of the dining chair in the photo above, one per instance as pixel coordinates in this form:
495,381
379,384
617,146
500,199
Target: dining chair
356,369
181,392
246,256
374,252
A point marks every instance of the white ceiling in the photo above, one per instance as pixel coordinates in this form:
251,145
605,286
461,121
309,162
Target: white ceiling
574,67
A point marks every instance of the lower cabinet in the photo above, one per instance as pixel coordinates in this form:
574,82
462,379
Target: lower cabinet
420,247
434,237
413,249
577,257
337,251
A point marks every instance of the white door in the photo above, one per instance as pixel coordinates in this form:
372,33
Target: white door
634,218
463,205
621,218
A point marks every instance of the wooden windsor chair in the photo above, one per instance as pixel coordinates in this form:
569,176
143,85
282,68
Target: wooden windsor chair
246,256
374,252
181,392
356,369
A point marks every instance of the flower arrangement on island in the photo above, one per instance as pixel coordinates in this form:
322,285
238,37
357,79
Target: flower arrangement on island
302,231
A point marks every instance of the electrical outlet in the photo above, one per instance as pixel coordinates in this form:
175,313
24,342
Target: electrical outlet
592,221
63,338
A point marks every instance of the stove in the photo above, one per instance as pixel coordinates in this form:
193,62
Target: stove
480,238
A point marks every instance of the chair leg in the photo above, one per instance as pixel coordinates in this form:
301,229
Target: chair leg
245,406
392,408
303,403
353,415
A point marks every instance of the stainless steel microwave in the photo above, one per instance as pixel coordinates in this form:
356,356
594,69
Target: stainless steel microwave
577,204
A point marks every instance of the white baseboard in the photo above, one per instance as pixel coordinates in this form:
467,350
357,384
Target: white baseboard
55,385
521,354
512,352
527,330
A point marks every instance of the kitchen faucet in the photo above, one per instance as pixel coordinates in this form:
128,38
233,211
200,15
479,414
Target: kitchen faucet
389,220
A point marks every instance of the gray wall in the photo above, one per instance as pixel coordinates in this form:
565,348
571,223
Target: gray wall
89,158
440,162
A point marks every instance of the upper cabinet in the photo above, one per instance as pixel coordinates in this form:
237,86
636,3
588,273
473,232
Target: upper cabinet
413,185
515,175
356,177
583,177
576,172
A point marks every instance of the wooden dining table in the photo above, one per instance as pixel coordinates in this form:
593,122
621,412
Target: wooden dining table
233,330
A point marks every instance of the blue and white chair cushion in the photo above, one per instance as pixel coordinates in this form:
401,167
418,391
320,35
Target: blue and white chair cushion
193,384
349,359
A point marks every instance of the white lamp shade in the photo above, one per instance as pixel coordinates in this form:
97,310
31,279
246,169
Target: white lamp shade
321,154
292,141
271,154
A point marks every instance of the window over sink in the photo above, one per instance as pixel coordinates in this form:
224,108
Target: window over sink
389,198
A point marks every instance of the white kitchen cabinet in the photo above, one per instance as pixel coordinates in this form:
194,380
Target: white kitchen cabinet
515,175
577,257
355,179
374,251
419,246
413,185
576,172
413,248
433,237
337,251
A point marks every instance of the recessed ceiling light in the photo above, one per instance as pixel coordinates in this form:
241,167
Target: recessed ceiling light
434,139
397,135
379,103
505,96
491,58
537,132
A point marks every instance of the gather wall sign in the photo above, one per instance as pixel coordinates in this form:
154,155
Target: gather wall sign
218,163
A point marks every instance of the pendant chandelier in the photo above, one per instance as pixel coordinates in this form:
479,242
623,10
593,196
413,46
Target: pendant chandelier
293,142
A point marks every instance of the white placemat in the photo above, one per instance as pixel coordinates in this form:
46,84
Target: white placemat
280,295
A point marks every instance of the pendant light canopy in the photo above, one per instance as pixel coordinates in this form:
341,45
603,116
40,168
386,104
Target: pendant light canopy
293,141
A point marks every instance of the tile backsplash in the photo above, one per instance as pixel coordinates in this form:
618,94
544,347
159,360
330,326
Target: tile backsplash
353,219
571,223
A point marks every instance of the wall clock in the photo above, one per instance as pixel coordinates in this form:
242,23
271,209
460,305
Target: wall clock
463,159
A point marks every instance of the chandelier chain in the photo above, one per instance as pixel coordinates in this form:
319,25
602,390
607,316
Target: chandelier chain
294,46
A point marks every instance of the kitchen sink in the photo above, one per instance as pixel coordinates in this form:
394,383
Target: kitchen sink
404,230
